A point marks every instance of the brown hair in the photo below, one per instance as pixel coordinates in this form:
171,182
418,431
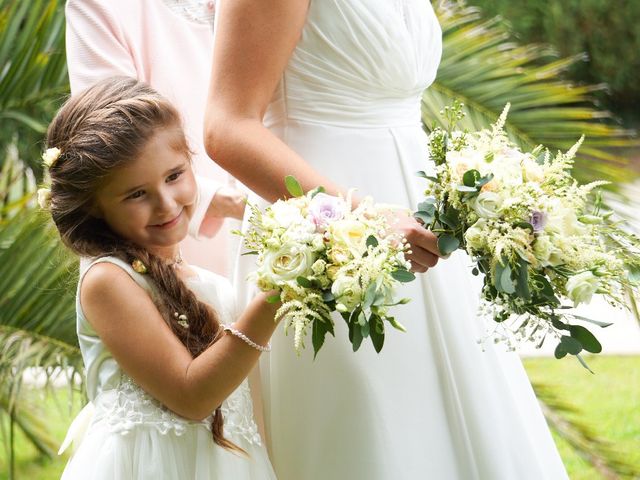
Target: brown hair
98,131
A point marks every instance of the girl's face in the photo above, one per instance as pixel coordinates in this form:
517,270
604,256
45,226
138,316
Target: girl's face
150,200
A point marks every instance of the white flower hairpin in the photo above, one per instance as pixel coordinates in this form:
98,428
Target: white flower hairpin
51,156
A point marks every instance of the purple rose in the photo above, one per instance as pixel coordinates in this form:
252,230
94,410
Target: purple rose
538,220
325,209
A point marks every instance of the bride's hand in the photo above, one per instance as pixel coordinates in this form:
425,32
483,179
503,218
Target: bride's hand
424,244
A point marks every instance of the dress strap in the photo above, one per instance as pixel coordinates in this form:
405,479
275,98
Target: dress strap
139,278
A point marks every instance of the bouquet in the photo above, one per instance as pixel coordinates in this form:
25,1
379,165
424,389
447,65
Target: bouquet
541,244
323,256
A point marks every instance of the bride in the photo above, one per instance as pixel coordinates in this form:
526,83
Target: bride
329,91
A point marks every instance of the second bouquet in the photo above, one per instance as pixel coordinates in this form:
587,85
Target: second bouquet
321,255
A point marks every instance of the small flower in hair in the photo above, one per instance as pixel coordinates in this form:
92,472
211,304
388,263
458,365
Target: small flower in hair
182,319
50,157
44,198
138,266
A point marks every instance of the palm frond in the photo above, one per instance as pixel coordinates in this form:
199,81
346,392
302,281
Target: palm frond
33,72
37,308
483,69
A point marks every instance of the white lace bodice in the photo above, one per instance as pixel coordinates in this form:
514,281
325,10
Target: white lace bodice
128,406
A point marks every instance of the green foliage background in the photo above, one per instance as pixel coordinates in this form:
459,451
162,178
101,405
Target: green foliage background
606,32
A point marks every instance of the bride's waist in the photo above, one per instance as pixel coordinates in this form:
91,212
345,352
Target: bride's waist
341,112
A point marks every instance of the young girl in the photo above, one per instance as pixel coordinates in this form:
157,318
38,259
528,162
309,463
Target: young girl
166,355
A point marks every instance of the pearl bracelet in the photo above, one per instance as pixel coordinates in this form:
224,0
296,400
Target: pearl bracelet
247,340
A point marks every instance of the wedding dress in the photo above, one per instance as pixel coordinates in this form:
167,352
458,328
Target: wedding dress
432,404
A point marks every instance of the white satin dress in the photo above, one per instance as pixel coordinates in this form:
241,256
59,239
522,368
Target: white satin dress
432,404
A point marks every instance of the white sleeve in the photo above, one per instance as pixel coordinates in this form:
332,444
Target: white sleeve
200,225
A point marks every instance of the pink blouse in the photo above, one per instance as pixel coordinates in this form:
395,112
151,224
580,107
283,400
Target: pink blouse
145,39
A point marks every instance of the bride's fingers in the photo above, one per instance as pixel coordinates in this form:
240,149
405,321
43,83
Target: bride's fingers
422,259
422,239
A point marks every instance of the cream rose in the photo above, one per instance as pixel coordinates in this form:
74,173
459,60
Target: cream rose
581,287
347,292
476,235
350,235
487,204
288,263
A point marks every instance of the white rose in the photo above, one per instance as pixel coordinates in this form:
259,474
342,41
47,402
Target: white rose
487,204
581,287
532,171
476,235
286,214
50,157
347,291
288,263
542,249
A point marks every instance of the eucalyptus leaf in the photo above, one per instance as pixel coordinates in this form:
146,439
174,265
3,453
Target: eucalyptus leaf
589,342
372,241
304,282
403,276
470,178
293,187
447,244
571,345
425,217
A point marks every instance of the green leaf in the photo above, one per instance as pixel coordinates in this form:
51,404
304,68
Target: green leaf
559,352
447,244
377,332
319,332
293,187
327,296
316,191
364,329
273,299
504,283
355,335
422,174
372,241
570,345
470,178
395,324
591,320
403,276
425,217
370,295
304,282
522,285
589,342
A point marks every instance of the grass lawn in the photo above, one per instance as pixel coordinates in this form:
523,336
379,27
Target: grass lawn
609,400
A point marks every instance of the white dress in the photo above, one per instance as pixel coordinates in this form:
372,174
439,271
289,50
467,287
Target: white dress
131,436
431,405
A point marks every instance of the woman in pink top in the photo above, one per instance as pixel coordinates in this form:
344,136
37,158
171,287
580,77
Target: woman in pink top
168,44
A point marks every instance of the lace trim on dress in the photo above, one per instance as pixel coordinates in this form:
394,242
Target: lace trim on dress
199,11
133,407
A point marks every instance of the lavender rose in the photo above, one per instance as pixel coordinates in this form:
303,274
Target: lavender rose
538,220
325,209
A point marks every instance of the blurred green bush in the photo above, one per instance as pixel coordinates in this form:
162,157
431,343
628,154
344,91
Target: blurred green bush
607,32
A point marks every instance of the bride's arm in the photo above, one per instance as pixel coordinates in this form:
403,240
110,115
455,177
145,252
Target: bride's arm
253,44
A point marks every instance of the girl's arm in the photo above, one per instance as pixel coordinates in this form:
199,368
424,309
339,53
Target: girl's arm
129,324
253,43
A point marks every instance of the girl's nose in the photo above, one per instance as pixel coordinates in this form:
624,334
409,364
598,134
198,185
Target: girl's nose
166,202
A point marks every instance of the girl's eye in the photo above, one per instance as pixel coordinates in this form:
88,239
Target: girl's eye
174,176
136,194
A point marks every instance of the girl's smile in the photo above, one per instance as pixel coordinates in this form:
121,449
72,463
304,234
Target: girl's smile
150,200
